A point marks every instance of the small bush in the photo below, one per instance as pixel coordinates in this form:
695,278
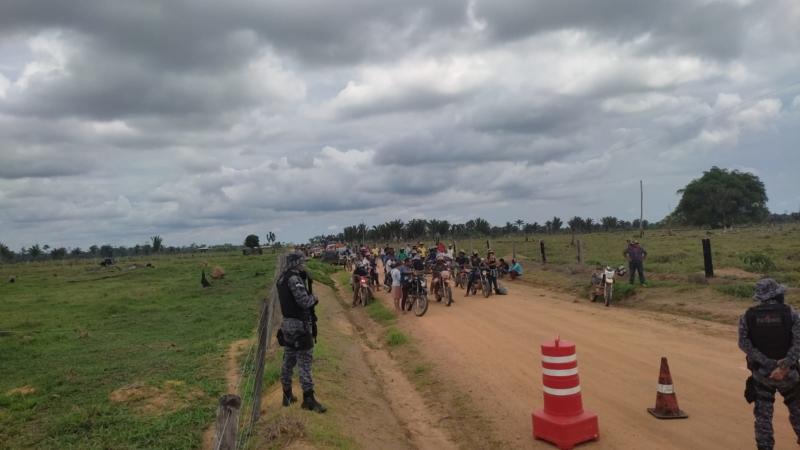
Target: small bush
758,262
395,337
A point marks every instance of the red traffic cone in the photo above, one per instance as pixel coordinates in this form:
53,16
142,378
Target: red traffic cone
563,420
666,400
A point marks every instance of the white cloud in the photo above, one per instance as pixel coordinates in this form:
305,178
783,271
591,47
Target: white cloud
796,102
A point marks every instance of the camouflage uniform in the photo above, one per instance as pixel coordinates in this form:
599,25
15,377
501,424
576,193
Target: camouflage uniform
294,328
760,387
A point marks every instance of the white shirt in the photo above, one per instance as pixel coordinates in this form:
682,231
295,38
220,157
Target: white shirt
396,277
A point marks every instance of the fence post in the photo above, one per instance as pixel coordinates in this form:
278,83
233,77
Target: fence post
580,252
708,263
541,250
227,422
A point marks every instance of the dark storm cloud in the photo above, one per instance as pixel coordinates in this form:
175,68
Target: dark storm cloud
205,120
714,29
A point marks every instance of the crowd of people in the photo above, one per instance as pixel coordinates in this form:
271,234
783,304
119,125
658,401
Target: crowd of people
398,264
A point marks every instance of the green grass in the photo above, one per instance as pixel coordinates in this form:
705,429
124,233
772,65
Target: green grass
395,337
380,313
739,290
76,332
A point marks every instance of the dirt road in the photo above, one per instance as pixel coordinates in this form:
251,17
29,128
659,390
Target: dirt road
489,348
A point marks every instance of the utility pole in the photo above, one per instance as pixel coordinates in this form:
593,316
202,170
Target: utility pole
641,210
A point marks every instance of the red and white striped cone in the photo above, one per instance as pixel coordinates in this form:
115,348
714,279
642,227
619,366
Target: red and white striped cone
562,421
666,400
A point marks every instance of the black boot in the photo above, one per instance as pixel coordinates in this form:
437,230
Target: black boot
311,404
288,397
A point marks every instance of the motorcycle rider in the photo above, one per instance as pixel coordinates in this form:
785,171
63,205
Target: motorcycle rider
436,273
298,331
461,259
361,271
475,273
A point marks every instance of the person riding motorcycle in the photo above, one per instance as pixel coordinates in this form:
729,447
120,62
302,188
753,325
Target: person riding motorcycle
461,259
361,270
475,272
438,267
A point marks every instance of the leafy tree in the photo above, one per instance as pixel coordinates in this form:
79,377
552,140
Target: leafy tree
588,223
556,224
157,243
251,241
93,250
415,228
609,222
482,226
722,198
438,228
6,254
35,251
106,251
76,252
58,253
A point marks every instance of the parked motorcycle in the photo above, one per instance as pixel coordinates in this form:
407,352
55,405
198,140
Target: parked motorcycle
417,298
605,287
442,289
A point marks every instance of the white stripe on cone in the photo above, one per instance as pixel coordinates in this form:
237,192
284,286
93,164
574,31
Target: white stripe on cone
559,359
560,373
561,392
666,389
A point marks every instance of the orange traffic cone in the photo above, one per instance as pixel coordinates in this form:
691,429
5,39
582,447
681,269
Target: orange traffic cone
666,400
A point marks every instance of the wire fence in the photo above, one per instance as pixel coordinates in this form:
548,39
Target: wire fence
249,383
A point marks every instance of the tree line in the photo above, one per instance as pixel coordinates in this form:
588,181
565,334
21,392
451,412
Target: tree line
37,252
416,229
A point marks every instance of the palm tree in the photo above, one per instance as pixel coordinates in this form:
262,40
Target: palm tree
519,223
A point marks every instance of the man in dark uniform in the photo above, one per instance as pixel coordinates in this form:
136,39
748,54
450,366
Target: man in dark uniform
769,333
298,331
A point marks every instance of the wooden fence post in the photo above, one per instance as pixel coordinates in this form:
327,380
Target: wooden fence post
541,250
580,252
707,262
227,422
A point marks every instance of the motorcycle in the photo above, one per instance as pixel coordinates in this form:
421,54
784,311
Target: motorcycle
417,295
486,287
364,292
442,289
462,277
605,287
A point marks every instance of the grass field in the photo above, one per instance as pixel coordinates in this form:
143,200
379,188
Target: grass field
121,357
674,266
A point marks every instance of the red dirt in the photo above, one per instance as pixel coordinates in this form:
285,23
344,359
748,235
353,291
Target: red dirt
489,349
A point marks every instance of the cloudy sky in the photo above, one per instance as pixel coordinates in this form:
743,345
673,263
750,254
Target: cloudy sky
203,121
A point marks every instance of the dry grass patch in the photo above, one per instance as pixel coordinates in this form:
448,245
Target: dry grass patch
171,396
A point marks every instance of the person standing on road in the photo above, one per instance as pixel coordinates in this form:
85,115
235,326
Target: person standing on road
636,254
397,291
769,334
298,331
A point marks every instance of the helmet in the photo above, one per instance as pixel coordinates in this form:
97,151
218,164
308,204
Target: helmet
294,260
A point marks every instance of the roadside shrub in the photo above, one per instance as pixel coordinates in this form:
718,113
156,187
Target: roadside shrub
395,337
758,262
380,313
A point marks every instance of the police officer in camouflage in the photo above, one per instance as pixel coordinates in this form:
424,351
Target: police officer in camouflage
298,330
769,333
